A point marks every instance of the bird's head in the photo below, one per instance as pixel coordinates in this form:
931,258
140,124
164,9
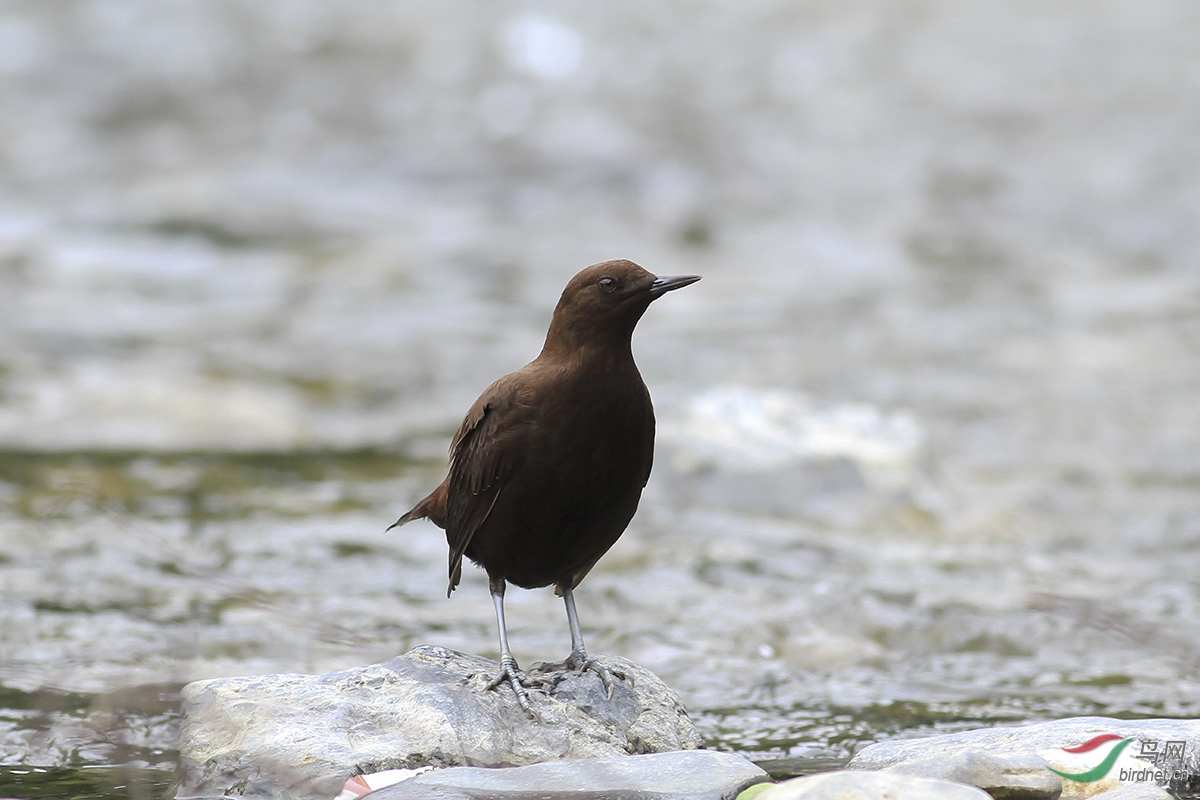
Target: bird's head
604,302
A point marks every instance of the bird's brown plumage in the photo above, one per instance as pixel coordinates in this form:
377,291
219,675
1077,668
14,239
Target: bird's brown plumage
548,466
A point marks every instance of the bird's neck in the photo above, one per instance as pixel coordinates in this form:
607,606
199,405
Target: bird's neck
589,357
588,346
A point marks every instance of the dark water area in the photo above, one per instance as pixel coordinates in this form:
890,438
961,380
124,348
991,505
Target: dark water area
90,783
928,428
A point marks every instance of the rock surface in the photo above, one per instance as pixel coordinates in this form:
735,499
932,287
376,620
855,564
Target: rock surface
860,785
1004,777
1004,755
1135,791
690,775
303,736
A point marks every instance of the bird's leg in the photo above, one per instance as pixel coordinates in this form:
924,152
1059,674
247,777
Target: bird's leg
579,660
509,673
578,655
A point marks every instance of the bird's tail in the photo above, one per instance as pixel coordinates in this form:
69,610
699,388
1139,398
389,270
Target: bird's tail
432,507
415,513
419,511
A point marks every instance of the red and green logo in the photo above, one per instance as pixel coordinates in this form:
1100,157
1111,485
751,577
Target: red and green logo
1100,770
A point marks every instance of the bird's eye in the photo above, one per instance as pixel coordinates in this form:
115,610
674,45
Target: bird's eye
607,284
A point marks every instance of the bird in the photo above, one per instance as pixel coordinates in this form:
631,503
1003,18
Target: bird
548,466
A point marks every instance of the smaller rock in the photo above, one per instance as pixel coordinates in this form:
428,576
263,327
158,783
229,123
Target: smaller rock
1135,791
1031,738
1007,777
1073,747
856,785
687,775
754,791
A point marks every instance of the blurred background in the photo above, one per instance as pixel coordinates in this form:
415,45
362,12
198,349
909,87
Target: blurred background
929,451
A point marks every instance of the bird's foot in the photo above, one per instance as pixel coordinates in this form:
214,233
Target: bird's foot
581,662
518,681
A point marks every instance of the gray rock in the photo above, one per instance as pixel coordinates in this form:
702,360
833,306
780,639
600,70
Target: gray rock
856,785
941,755
1004,777
1135,791
1029,739
690,775
302,736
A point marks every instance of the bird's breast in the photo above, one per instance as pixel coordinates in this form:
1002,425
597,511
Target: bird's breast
601,430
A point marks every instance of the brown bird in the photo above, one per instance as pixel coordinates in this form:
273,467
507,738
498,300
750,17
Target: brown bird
548,466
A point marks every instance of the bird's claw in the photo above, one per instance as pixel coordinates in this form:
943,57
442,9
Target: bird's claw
518,681
580,663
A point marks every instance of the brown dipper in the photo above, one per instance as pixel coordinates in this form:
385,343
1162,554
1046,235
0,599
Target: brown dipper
548,466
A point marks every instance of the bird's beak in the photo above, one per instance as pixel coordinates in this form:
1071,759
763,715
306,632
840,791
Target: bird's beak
666,283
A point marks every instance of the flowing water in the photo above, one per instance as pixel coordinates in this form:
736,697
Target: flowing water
929,426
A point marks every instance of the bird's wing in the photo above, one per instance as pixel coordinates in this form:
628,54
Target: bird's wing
481,458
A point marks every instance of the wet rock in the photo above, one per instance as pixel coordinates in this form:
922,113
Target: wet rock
859,785
690,775
303,736
1004,777
1008,750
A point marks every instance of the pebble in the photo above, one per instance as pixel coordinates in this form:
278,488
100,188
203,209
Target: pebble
1010,776
861,785
1135,791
